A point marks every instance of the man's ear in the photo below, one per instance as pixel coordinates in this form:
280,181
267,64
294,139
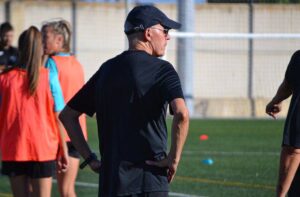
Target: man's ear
147,34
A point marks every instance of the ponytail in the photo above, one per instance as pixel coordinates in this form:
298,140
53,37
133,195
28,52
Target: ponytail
31,51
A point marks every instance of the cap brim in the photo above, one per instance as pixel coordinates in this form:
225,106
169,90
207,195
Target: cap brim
170,24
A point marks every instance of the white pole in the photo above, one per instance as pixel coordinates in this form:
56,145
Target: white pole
127,10
185,51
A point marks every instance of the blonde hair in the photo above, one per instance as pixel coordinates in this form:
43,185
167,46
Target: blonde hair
31,51
60,27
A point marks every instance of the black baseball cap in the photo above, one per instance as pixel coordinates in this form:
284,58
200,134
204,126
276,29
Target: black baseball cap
145,16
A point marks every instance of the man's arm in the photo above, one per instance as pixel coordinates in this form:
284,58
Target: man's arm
283,92
180,126
70,119
179,133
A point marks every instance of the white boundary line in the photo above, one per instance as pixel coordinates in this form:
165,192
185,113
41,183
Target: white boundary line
182,195
236,153
94,185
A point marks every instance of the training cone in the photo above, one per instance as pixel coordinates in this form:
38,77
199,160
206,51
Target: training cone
203,137
208,161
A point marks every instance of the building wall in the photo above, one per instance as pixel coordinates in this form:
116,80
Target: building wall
220,65
2,16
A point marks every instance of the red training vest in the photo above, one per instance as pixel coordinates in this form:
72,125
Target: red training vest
28,127
71,78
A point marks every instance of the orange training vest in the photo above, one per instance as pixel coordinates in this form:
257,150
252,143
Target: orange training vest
71,78
28,128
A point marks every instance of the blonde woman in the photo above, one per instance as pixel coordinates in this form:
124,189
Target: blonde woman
57,38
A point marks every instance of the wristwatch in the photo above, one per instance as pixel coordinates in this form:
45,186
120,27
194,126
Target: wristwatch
88,160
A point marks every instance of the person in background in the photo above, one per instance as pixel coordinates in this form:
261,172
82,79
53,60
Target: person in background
290,151
8,53
130,94
57,39
31,137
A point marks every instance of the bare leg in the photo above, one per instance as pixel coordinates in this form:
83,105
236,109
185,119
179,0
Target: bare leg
20,186
66,180
41,187
289,162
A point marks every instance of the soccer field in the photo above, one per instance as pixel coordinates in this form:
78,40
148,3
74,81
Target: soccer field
245,155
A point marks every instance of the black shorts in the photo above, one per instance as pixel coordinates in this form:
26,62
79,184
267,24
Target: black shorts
30,168
150,194
72,151
291,134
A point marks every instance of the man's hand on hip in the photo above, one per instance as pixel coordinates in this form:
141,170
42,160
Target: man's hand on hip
166,163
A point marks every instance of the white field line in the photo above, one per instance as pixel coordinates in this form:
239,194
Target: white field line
82,184
182,195
94,185
235,153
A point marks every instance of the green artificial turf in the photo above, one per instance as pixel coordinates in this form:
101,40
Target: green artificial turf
245,155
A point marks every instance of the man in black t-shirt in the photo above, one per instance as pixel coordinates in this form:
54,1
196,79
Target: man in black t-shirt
8,53
130,94
289,171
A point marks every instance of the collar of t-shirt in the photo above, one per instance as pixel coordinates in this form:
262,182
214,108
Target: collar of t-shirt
62,54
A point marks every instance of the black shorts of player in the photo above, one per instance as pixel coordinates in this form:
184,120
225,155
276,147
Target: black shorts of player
72,151
31,169
150,194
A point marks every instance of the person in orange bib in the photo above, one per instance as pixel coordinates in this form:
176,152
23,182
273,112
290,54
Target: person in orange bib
57,37
31,140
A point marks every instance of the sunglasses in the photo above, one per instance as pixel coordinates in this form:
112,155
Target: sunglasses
166,31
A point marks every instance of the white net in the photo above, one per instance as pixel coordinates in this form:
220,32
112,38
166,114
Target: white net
221,70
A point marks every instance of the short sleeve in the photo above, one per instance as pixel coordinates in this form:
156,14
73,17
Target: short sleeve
169,83
55,87
292,69
84,100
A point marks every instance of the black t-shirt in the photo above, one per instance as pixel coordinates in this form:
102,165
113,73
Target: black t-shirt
293,70
291,136
129,95
9,57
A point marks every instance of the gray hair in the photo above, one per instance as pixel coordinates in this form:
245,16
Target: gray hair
60,27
